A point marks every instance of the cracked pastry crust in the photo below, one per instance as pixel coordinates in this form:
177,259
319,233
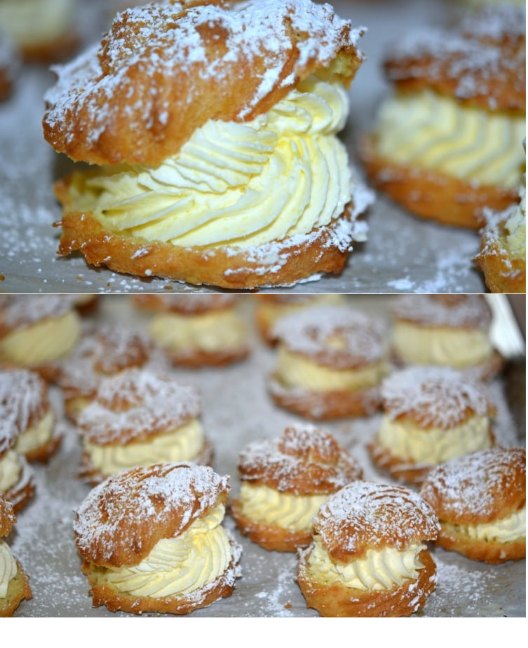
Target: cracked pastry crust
480,501
303,466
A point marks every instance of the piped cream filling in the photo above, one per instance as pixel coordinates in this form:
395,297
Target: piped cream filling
295,370
8,568
177,566
444,346
379,570
430,131
217,331
36,22
508,529
37,435
406,439
268,506
181,444
10,470
48,340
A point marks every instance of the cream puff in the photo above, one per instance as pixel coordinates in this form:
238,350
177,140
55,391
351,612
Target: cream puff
443,145
430,415
211,131
445,330
270,308
105,352
140,417
330,363
14,584
24,401
480,501
284,482
197,330
42,29
17,483
369,555
151,540
37,330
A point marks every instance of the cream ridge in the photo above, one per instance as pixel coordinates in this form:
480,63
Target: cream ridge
176,566
8,568
235,184
182,444
37,435
295,370
48,340
10,470
379,570
405,439
265,505
435,345
427,130
34,22
215,331
508,529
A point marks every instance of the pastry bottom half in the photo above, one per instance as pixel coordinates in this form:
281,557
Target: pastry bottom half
324,406
404,470
17,591
433,195
336,600
43,453
59,49
453,538
272,538
194,359
103,594
324,250
501,273
20,494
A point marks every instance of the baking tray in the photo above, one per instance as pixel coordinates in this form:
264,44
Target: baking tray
237,410
403,253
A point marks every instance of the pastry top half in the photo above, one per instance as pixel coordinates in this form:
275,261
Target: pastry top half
302,461
7,517
480,63
26,310
122,519
368,515
23,402
450,311
185,304
105,352
334,336
434,397
478,488
164,70
135,405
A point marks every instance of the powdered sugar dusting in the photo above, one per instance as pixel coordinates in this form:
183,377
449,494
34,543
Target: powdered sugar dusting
25,310
458,311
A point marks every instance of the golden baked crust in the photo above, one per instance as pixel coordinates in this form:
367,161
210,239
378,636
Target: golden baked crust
43,453
403,470
7,517
501,273
88,307
17,591
122,519
324,406
494,553
189,305
163,71
370,515
340,601
202,358
431,194
324,250
60,49
21,493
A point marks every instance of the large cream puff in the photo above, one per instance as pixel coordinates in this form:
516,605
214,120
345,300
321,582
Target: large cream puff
445,330
140,417
284,481
431,415
151,540
330,363
369,555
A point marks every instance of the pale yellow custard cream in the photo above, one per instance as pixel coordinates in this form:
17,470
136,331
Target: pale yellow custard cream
34,22
429,131
406,439
295,370
508,529
10,470
177,566
48,340
8,568
239,184
267,506
516,228
182,444
378,570
37,435
444,346
215,331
